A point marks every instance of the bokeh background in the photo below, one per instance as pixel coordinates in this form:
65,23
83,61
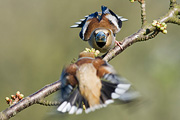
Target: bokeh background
36,41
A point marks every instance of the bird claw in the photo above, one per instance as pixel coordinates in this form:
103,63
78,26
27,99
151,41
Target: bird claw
119,44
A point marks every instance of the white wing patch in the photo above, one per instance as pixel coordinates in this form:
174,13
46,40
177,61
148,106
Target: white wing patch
82,19
120,90
74,26
123,19
106,11
113,19
77,23
85,28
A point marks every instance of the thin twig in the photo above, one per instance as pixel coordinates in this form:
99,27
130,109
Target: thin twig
143,11
48,103
172,3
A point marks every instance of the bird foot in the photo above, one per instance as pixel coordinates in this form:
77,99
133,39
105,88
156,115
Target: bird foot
118,43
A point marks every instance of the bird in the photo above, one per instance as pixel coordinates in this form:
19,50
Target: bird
100,28
91,83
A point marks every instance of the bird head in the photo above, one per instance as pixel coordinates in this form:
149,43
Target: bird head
99,28
102,39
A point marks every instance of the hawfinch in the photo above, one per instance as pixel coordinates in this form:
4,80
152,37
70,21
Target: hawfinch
99,29
91,83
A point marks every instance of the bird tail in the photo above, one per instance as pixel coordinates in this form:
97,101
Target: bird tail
75,103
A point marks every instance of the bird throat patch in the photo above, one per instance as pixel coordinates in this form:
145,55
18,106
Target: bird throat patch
101,44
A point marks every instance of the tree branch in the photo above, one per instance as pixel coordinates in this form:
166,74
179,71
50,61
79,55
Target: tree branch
35,98
175,20
147,32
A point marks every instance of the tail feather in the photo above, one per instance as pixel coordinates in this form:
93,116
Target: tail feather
74,103
73,97
86,104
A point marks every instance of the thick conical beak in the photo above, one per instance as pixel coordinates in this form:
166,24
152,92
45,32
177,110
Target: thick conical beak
100,37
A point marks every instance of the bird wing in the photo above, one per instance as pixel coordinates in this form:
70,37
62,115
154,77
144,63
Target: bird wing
88,25
66,88
115,86
111,20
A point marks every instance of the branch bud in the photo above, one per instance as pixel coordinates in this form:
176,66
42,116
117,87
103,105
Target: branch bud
17,93
21,96
13,97
7,99
154,23
164,31
163,24
158,25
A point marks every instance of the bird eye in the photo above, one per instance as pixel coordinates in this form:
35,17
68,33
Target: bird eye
94,33
107,34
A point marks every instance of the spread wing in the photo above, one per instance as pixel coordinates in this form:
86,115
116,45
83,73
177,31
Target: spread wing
89,25
115,86
66,88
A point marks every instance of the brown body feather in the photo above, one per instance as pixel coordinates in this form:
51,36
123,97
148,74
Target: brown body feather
86,73
95,23
90,83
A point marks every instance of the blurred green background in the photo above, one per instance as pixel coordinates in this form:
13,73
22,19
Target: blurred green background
36,42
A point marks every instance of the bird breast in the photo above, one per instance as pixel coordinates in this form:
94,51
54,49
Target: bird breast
89,83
